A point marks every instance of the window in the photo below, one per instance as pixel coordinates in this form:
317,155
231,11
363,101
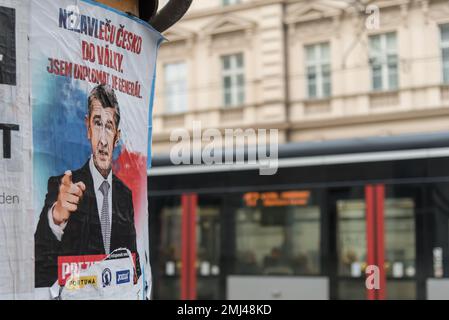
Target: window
318,70
230,2
208,240
445,51
384,61
175,76
233,80
351,237
278,233
400,232
167,223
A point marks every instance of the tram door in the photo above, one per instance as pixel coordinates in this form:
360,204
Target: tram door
185,245
371,244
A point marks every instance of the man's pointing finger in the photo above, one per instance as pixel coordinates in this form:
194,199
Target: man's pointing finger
75,190
81,185
67,178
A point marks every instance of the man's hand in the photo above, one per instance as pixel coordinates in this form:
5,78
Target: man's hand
69,197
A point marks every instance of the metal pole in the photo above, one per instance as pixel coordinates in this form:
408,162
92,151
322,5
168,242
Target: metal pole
173,11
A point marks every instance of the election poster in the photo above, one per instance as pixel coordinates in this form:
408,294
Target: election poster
92,83
16,211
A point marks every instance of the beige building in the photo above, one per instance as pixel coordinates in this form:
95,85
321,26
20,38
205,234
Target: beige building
315,70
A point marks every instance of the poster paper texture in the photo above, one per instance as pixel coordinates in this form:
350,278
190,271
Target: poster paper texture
16,211
92,74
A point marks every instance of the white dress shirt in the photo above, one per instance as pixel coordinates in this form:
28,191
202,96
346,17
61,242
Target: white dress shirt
98,179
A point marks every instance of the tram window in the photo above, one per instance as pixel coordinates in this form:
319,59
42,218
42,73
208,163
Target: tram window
273,217
401,289
166,222
283,239
351,289
351,239
208,247
399,238
171,240
400,247
440,244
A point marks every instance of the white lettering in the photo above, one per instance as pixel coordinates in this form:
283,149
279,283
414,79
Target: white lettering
373,21
239,146
373,277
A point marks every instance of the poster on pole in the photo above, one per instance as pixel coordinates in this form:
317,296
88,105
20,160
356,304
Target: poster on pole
92,84
16,210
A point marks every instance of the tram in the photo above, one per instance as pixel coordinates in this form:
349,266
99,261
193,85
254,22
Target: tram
310,231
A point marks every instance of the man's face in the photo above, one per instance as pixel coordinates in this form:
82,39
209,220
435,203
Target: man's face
103,136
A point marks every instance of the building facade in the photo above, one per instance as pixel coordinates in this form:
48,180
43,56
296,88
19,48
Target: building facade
315,70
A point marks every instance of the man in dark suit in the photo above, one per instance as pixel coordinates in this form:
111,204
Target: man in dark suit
88,211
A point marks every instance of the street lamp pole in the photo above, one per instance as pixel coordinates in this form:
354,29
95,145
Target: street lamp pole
161,20
171,13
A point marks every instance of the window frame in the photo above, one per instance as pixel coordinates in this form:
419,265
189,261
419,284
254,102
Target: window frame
180,98
444,44
382,61
236,75
319,63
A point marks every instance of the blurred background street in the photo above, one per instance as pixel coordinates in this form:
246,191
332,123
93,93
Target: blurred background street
359,93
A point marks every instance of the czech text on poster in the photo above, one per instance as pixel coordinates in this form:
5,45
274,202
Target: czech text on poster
92,85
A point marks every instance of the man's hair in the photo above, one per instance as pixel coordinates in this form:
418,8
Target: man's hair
106,96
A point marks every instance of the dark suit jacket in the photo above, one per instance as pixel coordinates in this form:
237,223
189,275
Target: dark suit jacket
82,235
